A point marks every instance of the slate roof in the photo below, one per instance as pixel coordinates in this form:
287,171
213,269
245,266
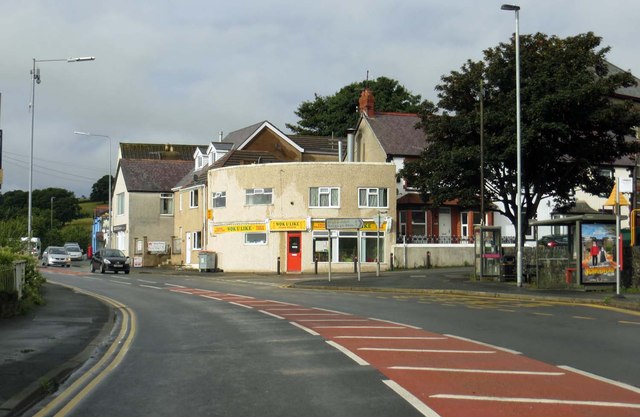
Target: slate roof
239,136
241,157
397,133
632,92
149,175
158,151
318,144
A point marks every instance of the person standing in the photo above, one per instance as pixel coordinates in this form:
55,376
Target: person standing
595,251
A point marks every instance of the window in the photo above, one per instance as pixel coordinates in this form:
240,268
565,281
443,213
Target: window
255,238
120,203
324,197
418,225
402,225
166,203
193,198
196,240
372,197
369,246
219,199
259,196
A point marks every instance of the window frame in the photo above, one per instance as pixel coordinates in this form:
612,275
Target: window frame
380,194
217,197
256,243
164,198
316,193
194,198
251,192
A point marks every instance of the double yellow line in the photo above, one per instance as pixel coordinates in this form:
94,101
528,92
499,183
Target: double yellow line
76,392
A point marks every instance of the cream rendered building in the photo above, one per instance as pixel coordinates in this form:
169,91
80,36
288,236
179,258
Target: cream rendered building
274,214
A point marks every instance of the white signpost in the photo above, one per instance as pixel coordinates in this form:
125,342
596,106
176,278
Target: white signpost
341,224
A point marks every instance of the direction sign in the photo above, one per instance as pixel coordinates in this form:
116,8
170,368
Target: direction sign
334,224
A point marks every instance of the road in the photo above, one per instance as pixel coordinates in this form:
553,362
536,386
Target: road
244,347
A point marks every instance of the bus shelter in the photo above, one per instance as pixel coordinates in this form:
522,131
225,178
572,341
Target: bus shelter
585,254
488,251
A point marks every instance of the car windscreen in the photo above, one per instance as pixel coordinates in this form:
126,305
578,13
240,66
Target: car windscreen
58,251
72,248
113,253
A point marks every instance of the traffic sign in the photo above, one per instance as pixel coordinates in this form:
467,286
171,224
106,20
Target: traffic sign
334,224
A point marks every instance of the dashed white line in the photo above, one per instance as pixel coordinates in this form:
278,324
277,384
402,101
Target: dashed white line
271,314
147,281
393,337
475,371
357,359
411,399
515,352
151,286
333,320
360,327
399,324
310,314
240,305
427,350
120,282
601,379
536,400
331,311
306,329
211,297
174,285
241,296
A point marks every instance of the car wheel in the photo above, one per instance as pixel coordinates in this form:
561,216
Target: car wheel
68,265
93,267
126,272
102,269
115,272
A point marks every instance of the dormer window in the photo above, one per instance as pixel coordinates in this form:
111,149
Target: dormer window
199,162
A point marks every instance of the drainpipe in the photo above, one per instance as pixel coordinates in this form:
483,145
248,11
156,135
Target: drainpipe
350,140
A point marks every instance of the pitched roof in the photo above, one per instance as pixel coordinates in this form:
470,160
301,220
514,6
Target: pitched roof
238,137
158,151
632,92
241,157
397,133
148,175
318,144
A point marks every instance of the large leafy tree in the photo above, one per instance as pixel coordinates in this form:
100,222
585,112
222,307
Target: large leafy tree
570,126
100,189
327,115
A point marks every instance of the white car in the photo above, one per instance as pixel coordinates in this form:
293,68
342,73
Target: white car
56,255
74,251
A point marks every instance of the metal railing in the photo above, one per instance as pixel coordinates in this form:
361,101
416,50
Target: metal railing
434,239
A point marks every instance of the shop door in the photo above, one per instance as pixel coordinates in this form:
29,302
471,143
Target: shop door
294,252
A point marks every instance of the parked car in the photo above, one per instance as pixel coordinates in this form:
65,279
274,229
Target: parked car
56,255
552,241
110,260
75,253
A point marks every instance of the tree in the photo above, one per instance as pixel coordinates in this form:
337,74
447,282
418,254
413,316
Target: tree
327,115
570,126
100,189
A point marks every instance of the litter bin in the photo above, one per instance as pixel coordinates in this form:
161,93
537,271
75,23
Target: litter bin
206,261
508,267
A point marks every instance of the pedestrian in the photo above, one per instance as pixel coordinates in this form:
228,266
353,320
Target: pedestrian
595,251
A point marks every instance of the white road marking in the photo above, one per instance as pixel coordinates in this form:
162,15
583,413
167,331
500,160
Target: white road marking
151,286
271,314
601,379
536,400
332,311
393,337
475,371
148,282
306,329
332,320
427,350
515,352
310,314
411,399
357,359
359,327
174,285
281,302
637,323
240,305
210,297
399,324
120,282
241,296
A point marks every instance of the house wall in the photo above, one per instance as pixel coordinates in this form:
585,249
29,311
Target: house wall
441,255
146,222
290,183
268,141
188,220
120,238
367,147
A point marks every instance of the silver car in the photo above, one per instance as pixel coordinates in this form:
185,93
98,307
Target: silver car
74,251
56,255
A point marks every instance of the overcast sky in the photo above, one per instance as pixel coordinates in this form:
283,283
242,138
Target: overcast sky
182,71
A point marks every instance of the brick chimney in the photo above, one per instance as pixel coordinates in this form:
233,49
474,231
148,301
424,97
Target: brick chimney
366,102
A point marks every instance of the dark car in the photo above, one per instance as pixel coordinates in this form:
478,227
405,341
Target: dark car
552,241
110,260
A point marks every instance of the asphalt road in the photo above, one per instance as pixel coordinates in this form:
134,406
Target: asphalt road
201,347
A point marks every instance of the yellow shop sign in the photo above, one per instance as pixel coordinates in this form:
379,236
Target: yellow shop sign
287,225
369,226
240,228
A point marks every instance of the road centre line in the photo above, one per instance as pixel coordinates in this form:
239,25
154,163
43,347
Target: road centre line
332,320
211,297
392,337
629,322
282,302
311,314
411,399
357,359
583,318
240,305
292,309
147,281
359,327
120,282
536,400
426,350
241,296
174,285
151,286
393,322
601,379
515,352
475,371
271,314
306,329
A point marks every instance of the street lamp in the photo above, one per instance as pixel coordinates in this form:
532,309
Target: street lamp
516,9
35,78
51,226
109,245
378,224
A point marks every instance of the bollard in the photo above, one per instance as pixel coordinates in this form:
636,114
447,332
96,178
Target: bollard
355,264
391,262
428,259
278,268
316,264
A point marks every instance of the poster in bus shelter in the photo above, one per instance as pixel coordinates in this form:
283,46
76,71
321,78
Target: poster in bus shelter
598,253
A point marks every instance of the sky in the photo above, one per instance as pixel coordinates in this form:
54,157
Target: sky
183,71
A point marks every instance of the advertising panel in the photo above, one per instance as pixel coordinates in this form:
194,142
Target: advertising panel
598,253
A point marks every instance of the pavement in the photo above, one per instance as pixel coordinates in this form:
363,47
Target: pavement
40,350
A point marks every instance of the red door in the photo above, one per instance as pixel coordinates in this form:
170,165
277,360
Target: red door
294,252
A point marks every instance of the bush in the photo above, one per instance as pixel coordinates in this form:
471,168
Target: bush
10,305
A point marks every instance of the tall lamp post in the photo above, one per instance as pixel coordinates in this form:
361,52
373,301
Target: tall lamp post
51,225
516,9
35,78
109,245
